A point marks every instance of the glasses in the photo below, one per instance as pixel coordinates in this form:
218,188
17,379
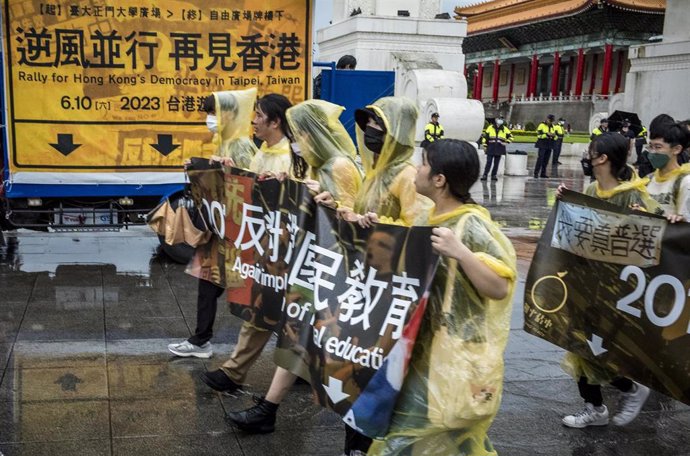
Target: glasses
656,147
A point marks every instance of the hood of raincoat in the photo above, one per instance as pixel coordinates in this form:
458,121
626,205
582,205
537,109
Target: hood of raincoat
234,111
315,127
399,115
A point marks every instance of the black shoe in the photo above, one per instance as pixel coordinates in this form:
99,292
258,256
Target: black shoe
219,381
483,178
544,176
536,176
260,419
559,163
494,178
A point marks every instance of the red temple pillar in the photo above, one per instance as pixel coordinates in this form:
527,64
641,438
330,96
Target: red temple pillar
512,82
593,79
619,71
569,81
497,70
580,71
532,86
608,60
480,81
556,74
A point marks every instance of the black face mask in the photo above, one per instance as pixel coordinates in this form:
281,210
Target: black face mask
373,139
587,167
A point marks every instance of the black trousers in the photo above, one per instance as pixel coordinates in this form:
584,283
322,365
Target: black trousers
206,307
496,159
542,162
556,152
592,393
356,441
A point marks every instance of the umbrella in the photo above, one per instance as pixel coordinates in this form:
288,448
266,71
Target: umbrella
618,117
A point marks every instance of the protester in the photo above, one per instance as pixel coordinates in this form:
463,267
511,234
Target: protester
616,183
453,387
433,130
545,138
670,182
495,137
326,147
274,158
228,117
560,131
385,136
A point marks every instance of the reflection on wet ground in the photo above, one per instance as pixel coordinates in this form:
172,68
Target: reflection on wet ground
85,319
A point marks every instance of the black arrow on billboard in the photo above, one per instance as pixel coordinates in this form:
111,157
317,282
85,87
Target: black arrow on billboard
65,144
165,145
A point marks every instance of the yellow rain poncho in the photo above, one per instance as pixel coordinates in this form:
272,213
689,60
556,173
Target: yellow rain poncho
626,195
454,384
388,188
234,111
327,148
275,159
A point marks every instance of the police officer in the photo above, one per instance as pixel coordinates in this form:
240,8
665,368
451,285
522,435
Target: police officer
495,138
602,128
640,141
559,129
545,141
433,130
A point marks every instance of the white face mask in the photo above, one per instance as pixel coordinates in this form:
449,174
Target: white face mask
295,148
212,123
499,122
561,122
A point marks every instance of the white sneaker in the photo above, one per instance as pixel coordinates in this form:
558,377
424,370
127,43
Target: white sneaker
630,404
186,349
589,416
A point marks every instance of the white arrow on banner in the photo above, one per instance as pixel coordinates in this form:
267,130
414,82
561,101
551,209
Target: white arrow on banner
596,345
335,390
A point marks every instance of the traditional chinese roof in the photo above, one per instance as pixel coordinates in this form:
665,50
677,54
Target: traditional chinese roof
499,14
519,22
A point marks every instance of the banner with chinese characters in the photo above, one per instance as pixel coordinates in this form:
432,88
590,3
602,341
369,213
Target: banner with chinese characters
105,85
612,286
339,296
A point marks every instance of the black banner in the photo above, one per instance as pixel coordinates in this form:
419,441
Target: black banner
611,285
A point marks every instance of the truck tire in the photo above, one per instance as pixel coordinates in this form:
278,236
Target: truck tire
179,253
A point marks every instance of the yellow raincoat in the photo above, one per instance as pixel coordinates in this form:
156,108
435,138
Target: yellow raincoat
388,188
275,159
454,384
327,148
234,110
626,194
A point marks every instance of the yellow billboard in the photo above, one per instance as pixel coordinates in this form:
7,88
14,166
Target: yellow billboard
112,85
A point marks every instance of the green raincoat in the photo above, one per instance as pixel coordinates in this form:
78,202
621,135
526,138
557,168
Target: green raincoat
388,188
454,384
234,110
327,148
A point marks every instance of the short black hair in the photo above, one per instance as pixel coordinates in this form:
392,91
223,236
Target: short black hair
675,133
458,161
346,61
209,104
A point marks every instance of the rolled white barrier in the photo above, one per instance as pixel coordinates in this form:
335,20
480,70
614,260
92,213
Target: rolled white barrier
461,118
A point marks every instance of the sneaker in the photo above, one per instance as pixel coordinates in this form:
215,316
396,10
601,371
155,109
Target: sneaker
483,178
589,416
630,404
186,349
219,381
494,178
260,419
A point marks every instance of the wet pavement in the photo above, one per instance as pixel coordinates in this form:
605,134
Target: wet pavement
85,319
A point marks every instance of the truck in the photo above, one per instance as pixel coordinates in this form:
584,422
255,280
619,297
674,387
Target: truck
101,101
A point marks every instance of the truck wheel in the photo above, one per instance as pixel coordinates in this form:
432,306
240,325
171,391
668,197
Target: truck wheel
179,253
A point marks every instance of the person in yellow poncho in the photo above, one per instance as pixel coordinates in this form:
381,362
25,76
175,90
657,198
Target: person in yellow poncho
322,141
616,183
228,118
453,386
385,136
